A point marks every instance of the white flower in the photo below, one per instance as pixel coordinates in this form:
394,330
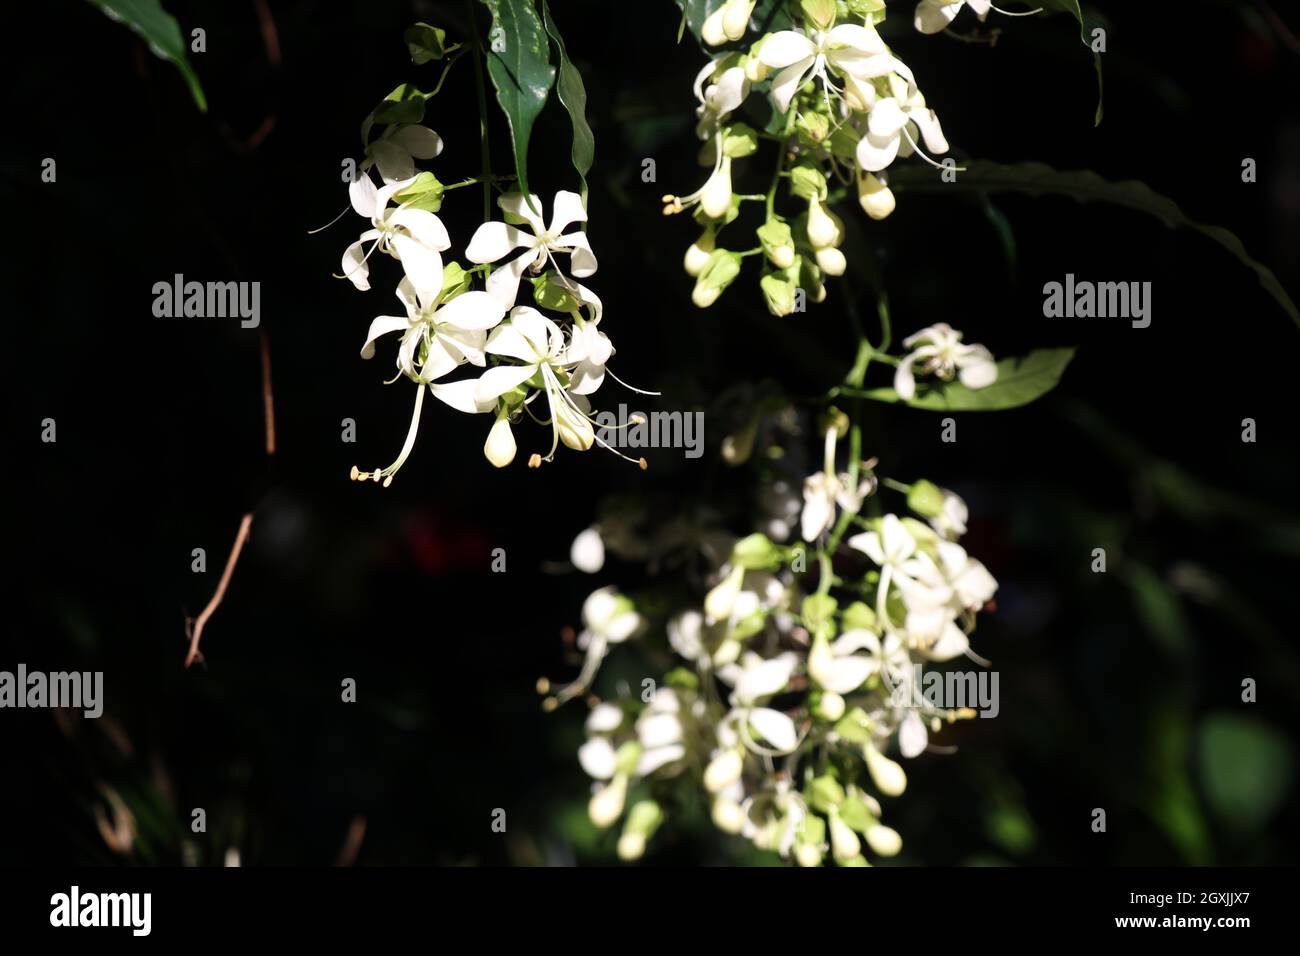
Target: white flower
848,48
951,520
942,352
890,546
587,553
452,332
752,680
835,668
395,151
588,351
824,489
893,124
933,16
726,91
538,343
496,240
416,237
608,618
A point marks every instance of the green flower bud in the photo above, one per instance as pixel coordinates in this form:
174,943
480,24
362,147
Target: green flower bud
778,293
926,499
627,757
697,256
808,182
739,139
817,611
824,793
859,616
424,193
778,243
828,706
855,726
756,553
815,126
720,272
855,813
820,13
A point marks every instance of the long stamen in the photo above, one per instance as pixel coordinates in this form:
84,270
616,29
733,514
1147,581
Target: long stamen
386,475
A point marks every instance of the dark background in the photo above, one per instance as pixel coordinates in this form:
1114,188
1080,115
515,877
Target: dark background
1119,691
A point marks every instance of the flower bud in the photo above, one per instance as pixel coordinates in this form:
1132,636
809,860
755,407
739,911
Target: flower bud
830,707
721,271
875,198
631,846
587,553
723,770
697,256
735,18
606,804
719,601
500,445
574,428
716,197
777,242
820,13
805,854
831,261
926,499
727,815
844,842
888,776
756,69
883,840
713,32
823,230
778,293
739,445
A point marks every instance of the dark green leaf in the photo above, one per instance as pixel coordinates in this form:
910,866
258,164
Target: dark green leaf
160,30
403,106
518,60
1020,381
1037,179
573,95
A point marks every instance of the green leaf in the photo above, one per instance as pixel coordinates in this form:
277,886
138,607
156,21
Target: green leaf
518,60
403,106
160,30
1072,7
573,96
1037,179
426,43
1246,769
1020,381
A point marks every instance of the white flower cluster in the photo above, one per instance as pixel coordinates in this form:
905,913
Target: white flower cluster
795,674
845,107
522,352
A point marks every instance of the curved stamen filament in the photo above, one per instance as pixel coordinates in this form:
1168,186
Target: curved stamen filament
386,475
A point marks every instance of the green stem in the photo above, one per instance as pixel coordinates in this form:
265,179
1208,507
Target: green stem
480,88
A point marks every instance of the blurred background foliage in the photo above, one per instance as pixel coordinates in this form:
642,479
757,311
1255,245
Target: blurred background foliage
1119,690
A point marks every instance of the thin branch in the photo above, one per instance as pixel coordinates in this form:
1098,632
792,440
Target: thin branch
196,629
268,397
352,842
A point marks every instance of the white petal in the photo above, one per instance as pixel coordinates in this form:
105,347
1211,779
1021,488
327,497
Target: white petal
382,326
423,266
952,643
420,141
861,38
979,373
784,48
472,310
652,760
933,16
912,736
460,396
598,758
604,719
514,204
355,267
393,161
905,380
658,730
786,83
501,379
583,261
775,728
361,191
764,679
503,283
493,241
874,153
423,226
566,210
